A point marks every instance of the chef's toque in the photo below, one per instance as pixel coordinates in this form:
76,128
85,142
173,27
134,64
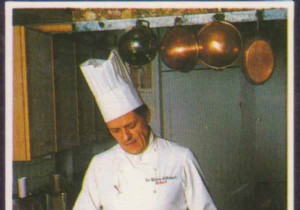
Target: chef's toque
111,86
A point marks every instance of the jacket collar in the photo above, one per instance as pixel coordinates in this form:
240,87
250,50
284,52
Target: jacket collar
142,157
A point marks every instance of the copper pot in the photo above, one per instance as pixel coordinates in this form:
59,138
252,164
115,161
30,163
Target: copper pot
258,60
219,44
258,57
139,45
179,49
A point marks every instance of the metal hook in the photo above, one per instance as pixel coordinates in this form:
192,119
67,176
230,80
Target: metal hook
140,23
259,15
218,17
178,21
101,24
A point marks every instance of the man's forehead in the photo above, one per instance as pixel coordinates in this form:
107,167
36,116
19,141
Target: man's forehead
123,120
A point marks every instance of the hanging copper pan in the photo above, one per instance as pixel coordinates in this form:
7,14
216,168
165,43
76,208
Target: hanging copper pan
178,49
258,60
258,57
219,44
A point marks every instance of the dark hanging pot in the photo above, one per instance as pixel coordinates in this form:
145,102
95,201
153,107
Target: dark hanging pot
179,49
258,57
219,43
139,45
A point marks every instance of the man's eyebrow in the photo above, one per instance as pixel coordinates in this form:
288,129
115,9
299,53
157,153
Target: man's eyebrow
125,126
130,124
113,129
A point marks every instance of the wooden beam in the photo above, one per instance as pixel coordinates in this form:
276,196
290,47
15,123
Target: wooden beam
53,28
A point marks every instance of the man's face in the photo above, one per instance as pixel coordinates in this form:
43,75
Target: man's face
131,132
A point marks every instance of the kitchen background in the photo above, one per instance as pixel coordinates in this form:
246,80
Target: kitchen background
238,130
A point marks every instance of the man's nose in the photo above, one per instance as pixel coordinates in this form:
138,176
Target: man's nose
126,135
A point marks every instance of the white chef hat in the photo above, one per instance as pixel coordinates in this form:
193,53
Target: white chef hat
111,86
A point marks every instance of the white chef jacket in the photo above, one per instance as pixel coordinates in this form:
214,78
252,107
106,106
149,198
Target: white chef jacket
164,177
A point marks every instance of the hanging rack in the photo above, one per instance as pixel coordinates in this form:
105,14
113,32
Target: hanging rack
168,21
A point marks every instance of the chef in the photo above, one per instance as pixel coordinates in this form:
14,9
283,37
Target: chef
142,171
